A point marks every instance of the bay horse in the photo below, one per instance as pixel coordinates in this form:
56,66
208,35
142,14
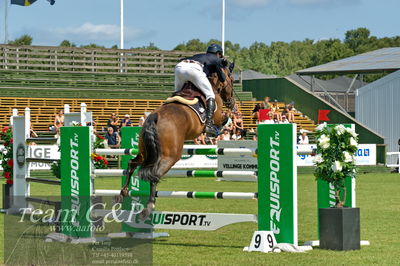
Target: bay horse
164,133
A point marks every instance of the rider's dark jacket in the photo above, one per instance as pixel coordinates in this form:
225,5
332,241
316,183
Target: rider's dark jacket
211,64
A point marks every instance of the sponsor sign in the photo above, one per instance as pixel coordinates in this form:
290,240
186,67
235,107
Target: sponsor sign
76,186
365,155
238,162
197,161
277,181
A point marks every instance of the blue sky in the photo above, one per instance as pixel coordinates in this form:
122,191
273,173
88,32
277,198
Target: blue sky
167,23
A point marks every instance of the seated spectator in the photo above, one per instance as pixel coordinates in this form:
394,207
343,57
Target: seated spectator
290,110
238,121
226,135
112,137
58,121
126,122
200,140
264,105
113,122
237,135
143,118
303,138
275,112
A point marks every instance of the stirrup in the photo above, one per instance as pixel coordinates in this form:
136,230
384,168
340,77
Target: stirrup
210,130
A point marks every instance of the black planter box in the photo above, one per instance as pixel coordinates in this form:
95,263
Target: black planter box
339,228
7,196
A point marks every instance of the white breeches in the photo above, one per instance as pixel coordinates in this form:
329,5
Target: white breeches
194,73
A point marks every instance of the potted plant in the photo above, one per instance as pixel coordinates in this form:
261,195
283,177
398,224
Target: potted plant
339,227
7,163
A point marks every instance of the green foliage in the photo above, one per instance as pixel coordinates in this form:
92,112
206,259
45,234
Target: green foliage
335,159
23,40
67,43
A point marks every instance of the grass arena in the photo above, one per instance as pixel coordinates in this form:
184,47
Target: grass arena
203,216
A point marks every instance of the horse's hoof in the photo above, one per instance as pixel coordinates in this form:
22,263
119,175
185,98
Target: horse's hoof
124,192
118,199
145,213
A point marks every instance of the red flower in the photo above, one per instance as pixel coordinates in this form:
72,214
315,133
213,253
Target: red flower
10,162
5,129
105,161
100,137
9,181
12,141
6,143
7,175
98,158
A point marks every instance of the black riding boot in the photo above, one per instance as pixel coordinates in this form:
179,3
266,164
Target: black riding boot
210,128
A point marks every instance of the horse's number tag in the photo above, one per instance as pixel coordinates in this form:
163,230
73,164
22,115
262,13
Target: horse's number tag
262,241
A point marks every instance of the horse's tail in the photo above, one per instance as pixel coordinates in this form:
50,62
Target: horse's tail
150,166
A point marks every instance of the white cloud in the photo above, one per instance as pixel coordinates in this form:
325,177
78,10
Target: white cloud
311,3
100,32
251,3
86,33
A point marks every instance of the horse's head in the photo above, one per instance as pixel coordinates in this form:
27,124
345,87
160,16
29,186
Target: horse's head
225,89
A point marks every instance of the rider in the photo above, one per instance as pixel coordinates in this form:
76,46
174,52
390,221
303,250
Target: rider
197,69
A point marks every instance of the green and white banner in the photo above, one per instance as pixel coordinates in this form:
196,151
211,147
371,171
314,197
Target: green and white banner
76,186
277,181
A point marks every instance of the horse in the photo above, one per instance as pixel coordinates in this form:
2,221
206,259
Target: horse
164,132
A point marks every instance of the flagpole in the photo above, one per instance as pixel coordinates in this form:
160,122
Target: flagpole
5,21
223,25
122,25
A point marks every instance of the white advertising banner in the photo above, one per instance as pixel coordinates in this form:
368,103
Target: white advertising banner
365,155
40,151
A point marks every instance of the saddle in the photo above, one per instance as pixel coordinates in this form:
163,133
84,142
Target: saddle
191,96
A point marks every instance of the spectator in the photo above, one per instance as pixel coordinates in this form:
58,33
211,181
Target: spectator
290,111
275,112
303,138
229,124
237,135
143,118
226,135
200,140
113,122
58,120
112,137
264,105
126,122
238,121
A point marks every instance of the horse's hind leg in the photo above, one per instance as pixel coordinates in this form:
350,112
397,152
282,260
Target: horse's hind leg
132,165
165,165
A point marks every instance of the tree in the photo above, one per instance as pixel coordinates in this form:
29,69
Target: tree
357,38
23,40
67,43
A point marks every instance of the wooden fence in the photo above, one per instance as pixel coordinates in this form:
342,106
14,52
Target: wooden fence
70,59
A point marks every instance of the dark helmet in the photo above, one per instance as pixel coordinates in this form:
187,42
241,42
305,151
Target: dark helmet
214,48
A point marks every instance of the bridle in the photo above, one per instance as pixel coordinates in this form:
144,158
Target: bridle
229,102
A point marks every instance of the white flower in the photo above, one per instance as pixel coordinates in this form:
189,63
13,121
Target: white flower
318,159
348,158
340,129
320,127
353,142
352,132
324,141
337,166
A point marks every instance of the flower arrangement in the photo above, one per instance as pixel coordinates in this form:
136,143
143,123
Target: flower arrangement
335,159
99,162
6,154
